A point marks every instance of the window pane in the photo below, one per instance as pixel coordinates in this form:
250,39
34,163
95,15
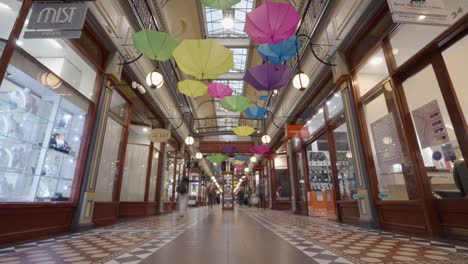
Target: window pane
316,122
455,58
282,189
9,10
420,36
118,106
372,72
344,163
301,174
396,179
334,105
154,176
318,158
434,129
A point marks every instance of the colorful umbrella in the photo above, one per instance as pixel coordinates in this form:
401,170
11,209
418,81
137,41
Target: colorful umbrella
229,149
218,158
256,112
220,4
242,157
192,88
235,103
272,22
217,168
219,90
203,58
280,52
239,167
262,149
243,131
268,77
238,162
154,44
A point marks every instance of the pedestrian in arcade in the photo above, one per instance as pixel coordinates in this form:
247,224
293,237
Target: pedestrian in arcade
182,190
240,197
261,194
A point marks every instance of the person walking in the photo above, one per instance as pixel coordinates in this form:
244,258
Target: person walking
240,197
248,194
210,193
261,194
182,190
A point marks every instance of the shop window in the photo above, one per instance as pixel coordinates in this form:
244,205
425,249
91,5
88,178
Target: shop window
301,174
409,39
109,162
455,58
437,141
168,177
9,10
394,171
136,162
318,159
372,72
118,107
282,188
316,122
334,105
344,163
154,174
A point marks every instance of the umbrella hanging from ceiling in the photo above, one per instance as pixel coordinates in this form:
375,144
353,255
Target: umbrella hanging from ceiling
238,162
239,167
154,44
229,149
256,112
203,58
268,77
242,157
243,131
192,88
217,168
280,52
220,4
218,158
219,90
272,22
262,149
235,103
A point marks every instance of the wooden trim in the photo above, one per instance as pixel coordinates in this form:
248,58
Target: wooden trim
148,170
105,213
159,180
174,179
123,155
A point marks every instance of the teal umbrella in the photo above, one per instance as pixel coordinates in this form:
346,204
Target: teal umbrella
220,4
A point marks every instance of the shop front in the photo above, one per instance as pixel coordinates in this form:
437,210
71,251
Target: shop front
410,95
280,183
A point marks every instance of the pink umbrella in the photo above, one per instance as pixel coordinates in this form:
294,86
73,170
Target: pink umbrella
219,90
239,166
272,22
260,149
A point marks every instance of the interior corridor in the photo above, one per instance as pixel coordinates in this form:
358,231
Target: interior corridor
241,236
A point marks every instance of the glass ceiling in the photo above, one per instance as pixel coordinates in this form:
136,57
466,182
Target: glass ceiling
214,18
237,86
240,59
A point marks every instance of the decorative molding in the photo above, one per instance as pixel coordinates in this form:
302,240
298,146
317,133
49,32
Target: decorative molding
346,10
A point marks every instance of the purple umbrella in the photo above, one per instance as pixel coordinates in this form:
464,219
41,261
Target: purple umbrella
260,149
219,90
272,22
239,166
268,77
229,149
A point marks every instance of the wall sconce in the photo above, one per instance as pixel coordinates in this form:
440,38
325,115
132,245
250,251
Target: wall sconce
253,159
154,79
139,87
266,139
189,140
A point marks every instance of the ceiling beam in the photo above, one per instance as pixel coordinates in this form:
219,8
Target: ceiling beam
234,42
231,76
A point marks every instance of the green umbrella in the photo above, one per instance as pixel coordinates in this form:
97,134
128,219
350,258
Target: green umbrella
192,88
218,158
220,4
154,44
235,103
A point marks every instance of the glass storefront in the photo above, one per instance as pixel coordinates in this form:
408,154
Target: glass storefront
344,163
282,189
9,10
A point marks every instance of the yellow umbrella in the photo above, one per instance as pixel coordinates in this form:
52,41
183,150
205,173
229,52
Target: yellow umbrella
192,88
238,162
203,58
243,131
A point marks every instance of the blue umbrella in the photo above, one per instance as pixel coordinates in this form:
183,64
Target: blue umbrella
242,157
217,168
256,112
280,52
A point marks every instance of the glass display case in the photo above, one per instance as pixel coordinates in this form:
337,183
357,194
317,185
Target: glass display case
318,159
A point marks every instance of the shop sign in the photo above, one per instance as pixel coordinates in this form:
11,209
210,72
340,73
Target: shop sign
430,125
158,135
386,142
428,12
56,20
297,131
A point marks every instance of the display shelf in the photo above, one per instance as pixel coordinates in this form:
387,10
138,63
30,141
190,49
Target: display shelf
319,170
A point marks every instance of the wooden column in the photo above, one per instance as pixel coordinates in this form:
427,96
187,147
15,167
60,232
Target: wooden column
174,177
148,170
160,178
122,155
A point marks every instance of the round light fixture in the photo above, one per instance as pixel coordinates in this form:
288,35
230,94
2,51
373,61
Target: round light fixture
301,81
387,140
246,169
199,155
266,139
154,79
228,23
189,140
349,155
253,159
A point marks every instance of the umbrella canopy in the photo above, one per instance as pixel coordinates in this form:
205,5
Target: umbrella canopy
238,162
256,112
262,149
239,167
243,131
268,77
229,149
217,168
242,157
203,58
235,103
218,158
154,44
272,22
220,4
219,90
280,52
192,88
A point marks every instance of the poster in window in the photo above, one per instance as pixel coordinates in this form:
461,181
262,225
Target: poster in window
386,142
430,125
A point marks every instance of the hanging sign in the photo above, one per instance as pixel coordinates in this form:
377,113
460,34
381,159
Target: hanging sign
297,131
386,142
158,135
430,125
56,20
427,12
192,164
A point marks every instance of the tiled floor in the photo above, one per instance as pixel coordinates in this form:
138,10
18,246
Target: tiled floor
241,236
